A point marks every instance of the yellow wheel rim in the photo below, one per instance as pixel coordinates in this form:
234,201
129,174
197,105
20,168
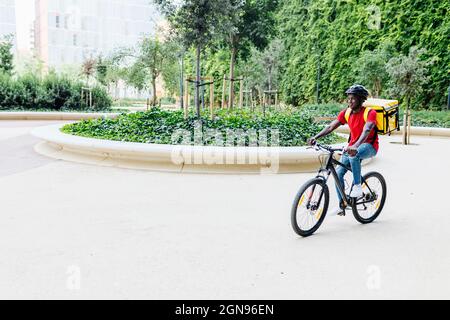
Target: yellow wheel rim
301,201
378,204
319,214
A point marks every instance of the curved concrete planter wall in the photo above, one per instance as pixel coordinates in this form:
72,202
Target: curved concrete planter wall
174,158
185,158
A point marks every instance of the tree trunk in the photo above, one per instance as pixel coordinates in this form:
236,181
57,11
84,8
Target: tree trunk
405,124
318,82
154,92
377,88
182,82
232,64
198,79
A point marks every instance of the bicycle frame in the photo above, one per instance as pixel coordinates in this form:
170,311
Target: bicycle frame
330,168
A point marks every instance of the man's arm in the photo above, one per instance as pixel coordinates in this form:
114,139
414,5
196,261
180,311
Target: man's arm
329,129
367,130
353,150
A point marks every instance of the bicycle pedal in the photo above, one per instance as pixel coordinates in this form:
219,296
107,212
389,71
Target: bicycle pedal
342,214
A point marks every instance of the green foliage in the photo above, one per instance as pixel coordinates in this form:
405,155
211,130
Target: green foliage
252,24
145,63
335,33
52,93
258,24
409,74
159,126
101,71
255,69
6,55
196,22
263,68
370,68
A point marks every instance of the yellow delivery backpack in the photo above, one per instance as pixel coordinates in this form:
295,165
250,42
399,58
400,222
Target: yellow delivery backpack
387,114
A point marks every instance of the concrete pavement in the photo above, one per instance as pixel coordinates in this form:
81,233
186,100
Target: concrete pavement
76,231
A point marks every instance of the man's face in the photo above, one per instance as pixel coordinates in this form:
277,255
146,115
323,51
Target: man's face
353,102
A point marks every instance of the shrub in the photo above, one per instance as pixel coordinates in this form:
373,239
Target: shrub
101,99
32,92
58,90
54,92
5,91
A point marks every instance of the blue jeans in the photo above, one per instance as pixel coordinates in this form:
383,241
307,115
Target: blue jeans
365,151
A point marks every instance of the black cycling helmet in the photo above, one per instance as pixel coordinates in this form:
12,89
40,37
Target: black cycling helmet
358,90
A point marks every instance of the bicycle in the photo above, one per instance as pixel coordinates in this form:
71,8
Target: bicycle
314,196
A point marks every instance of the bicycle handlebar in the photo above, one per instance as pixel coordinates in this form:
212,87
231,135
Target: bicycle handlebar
319,147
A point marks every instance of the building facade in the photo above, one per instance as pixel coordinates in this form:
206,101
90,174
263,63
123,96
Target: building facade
71,31
7,18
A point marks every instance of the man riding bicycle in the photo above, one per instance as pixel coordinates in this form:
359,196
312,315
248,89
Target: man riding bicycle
363,141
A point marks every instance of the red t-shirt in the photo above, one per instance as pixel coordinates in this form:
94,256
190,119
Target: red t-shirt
356,124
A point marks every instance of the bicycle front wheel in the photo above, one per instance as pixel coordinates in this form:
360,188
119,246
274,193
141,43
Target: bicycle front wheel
368,208
310,207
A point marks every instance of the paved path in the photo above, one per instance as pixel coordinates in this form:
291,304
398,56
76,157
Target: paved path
76,231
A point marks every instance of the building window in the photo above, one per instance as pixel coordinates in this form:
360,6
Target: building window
57,21
75,40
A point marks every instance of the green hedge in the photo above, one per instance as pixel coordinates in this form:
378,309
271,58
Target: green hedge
158,126
336,33
53,93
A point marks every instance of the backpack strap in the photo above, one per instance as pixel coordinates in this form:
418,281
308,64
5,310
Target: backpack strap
347,117
366,114
347,114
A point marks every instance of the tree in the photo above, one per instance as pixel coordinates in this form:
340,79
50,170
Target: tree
88,69
271,62
251,23
147,62
101,71
114,74
6,55
196,22
409,75
370,68
262,71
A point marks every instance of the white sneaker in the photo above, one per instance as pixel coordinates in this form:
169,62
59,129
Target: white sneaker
357,191
336,212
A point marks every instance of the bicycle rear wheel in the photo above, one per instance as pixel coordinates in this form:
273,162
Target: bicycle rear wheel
310,207
369,207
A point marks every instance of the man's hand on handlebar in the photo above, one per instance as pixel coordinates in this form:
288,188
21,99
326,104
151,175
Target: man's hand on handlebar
351,150
312,142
